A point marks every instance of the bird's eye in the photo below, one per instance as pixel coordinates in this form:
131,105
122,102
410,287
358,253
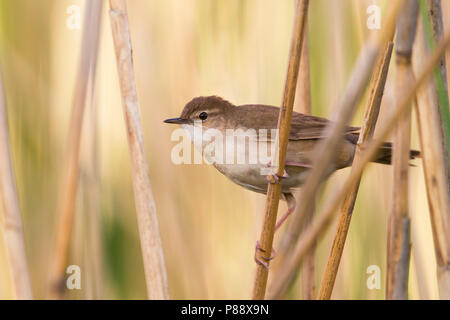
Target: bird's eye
203,116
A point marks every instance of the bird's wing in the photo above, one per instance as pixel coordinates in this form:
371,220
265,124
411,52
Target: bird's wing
303,127
306,127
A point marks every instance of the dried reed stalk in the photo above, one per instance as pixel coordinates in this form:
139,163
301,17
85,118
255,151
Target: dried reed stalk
398,248
445,13
319,226
284,122
435,168
435,14
12,221
66,211
303,102
303,95
152,253
434,10
346,209
343,112
93,243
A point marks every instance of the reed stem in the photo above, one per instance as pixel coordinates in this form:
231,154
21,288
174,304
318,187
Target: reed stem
346,209
151,247
398,248
435,171
303,101
343,112
284,121
12,221
92,219
91,27
279,287
435,14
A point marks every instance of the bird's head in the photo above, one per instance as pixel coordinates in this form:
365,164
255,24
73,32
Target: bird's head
210,111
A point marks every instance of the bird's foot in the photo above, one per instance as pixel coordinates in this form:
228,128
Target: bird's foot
260,261
276,178
273,177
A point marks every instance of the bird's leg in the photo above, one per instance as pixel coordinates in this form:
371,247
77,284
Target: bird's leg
290,200
275,178
291,206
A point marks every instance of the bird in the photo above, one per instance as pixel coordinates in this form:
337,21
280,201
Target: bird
257,123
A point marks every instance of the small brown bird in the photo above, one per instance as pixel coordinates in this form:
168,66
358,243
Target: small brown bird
256,123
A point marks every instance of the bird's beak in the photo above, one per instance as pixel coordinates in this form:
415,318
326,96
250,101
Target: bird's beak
178,121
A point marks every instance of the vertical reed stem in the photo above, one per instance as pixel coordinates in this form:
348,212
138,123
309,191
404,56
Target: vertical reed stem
435,168
398,252
66,210
346,209
284,122
12,222
303,95
303,101
152,253
279,287
435,14
92,219
343,112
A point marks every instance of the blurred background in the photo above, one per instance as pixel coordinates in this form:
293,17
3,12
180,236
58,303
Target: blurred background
235,49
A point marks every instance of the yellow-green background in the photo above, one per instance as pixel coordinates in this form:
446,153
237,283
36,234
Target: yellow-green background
237,49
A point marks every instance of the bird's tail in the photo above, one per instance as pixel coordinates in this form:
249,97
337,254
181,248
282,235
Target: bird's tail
384,154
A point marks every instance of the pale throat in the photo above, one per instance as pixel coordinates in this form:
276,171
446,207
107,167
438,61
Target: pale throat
241,142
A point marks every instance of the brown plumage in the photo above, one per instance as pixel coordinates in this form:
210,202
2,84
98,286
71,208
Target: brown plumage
305,132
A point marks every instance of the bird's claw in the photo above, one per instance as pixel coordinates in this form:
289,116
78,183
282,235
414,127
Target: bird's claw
276,178
258,260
